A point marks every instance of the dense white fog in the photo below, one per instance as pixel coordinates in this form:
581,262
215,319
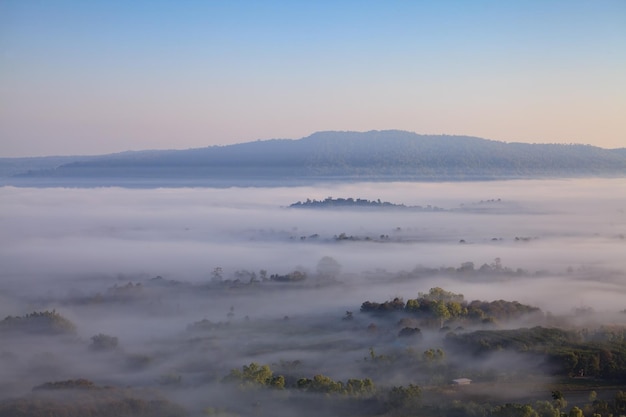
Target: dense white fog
61,248
185,233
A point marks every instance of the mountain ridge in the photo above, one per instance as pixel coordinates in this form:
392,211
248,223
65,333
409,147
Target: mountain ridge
373,155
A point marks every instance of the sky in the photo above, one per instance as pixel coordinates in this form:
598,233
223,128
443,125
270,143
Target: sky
92,77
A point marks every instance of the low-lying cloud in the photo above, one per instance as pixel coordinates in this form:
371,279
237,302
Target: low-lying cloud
75,250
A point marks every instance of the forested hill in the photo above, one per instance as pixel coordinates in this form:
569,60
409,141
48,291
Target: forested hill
374,155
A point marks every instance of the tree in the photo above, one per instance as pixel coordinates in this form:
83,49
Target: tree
546,409
359,386
514,410
277,382
254,374
575,412
432,355
439,294
620,401
217,274
320,383
441,312
328,268
455,308
401,397
412,305
410,332
497,264
466,267
559,401
38,322
103,342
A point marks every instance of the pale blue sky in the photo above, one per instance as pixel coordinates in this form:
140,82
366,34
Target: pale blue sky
88,77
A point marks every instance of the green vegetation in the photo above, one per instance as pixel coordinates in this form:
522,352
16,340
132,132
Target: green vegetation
101,342
416,352
68,384
350,202
44,323
565,352
600,353
325,385
404,398
255,375
80,398
442,306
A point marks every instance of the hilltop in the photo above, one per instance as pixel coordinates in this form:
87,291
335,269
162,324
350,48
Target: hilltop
325,156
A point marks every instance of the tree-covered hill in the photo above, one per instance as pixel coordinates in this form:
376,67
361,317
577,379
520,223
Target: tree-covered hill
82,397
46,322
374,155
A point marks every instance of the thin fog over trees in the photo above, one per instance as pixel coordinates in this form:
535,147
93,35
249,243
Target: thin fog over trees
468,299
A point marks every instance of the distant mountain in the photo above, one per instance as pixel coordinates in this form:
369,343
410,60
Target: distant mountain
17,166
374,155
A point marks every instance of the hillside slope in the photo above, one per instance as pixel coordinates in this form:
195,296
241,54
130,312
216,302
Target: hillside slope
374,155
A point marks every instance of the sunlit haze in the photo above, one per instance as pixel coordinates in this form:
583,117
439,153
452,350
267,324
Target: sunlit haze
89,77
